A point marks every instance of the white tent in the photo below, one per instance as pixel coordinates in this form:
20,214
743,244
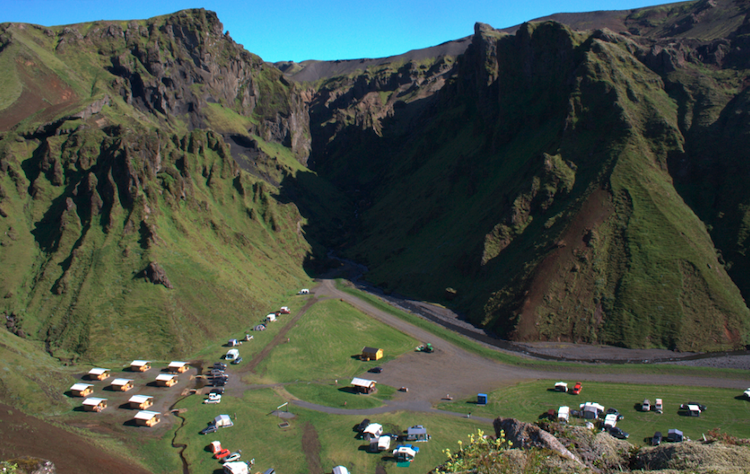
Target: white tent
223,421
561,387
236,468
563,414
340,470
271,317
384,443
373,430
404,453
610,421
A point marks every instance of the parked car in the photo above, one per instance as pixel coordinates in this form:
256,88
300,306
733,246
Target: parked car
213,398
218,382
237,360
220,365
216,372
684,406
362,425
219,390
646,405
232,457
222,454
656,439
577,389
613,411
376,370
210,429
618,433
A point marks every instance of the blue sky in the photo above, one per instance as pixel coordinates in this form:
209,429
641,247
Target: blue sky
280,30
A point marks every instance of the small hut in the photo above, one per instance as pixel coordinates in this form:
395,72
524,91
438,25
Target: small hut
177,367
82,389
363,385
140,366
95,404
147,418
371,353
141,402
122,385
98,374
166,380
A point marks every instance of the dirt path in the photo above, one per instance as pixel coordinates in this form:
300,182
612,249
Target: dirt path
311,447
23,435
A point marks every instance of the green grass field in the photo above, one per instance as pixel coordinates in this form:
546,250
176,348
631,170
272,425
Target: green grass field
339,395
325,345
528,400
257,434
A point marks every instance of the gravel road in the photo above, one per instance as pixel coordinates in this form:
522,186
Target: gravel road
452,370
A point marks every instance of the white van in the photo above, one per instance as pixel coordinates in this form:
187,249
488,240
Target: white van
232,354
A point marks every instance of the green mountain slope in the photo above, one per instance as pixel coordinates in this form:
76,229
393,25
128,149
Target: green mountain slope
140,186
537,184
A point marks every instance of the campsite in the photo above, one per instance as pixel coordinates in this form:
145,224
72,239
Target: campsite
308,360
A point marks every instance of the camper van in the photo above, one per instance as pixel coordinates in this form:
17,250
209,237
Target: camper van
232,354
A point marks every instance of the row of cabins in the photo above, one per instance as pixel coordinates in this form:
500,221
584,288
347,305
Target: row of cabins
140,402
121,385
174,367
144,417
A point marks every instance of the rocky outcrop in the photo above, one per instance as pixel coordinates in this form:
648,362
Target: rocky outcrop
157,275
30,465
526,436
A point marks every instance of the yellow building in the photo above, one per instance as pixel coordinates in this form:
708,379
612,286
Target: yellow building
99,374
122,385
95,404
82,389
147,418
166,380
140,366
141,401
178,367
371,353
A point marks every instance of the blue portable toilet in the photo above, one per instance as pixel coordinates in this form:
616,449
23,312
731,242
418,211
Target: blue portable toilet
481,399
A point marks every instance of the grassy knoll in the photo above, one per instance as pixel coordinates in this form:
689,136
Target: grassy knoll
257,434
336,395
480,349
526,401
324,345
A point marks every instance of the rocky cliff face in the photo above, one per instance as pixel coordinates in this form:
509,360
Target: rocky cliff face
543,176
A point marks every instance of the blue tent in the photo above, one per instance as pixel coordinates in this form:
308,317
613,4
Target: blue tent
481,399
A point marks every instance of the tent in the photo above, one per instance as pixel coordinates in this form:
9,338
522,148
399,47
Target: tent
259,327
384,443
373,430
340,470
236,468
675,436
271,317
223,421
561,387
417,433
610,421
405,453
481,398
563,414
233,342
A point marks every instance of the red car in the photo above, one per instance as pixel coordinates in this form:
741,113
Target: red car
577,389
222,454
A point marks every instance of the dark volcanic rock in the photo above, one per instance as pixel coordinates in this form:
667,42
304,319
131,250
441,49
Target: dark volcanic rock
157,275
525,435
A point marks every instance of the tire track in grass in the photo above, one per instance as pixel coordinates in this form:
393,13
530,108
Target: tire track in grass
311,448
253,364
